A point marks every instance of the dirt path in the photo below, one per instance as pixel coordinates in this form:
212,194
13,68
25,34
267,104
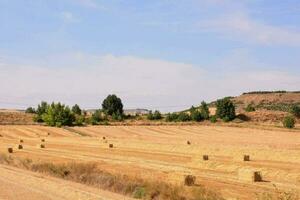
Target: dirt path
19,184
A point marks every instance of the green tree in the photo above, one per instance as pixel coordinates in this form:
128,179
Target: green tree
30,110
183,117
58,114
76,110
196,116
171,117
154,116
295,110
41,109
289,122
112,105
225,109
204,110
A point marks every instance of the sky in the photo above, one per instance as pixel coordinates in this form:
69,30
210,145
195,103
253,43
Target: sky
158,54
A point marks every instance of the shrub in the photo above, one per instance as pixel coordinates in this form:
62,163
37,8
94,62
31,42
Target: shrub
30,110
76,110
171,117
196,116
204,110
213,119
289,122
139,192
117,116
79,120
96,117
154,116
183,117
295,110
225,109
250,108
112,105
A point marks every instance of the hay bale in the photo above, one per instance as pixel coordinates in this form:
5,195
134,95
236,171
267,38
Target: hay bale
20,146
103,138
1,135
188,143
42,146
42,140
21,141
10,150
246,158
189,180
111,146
205,157
249,175
48,133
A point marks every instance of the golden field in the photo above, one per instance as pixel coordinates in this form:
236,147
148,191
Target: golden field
162,153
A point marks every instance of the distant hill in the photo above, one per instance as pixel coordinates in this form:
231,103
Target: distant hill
276,101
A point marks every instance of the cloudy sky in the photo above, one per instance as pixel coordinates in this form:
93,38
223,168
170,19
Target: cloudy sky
158,54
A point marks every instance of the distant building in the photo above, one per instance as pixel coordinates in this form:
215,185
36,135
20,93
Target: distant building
136,111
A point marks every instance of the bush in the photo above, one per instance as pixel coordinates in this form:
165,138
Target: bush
96,117
30,110
225,109
183,117
139,192
295,110
79,120
154,116
76,110
213,119
117,116
196,116
204,110
171,117
58,114
112,105
289,122
250,108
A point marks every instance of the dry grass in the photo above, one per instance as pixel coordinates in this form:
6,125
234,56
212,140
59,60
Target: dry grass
90,174
278,195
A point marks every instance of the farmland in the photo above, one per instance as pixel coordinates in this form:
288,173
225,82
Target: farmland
162,153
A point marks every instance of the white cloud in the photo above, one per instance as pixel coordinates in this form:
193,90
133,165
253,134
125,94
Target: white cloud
241,26
140,82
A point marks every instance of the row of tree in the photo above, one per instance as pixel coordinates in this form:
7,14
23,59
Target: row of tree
225,111
57,114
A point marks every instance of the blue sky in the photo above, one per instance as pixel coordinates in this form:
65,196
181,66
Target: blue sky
157,54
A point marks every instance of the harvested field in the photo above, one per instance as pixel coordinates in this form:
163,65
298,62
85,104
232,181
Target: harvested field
162,153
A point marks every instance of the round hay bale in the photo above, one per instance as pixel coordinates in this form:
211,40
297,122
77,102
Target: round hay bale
42,146
205,157
246,158
188,143
21,141
10,150
189,180
111,146
20,146
103,138
42,140
48,133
